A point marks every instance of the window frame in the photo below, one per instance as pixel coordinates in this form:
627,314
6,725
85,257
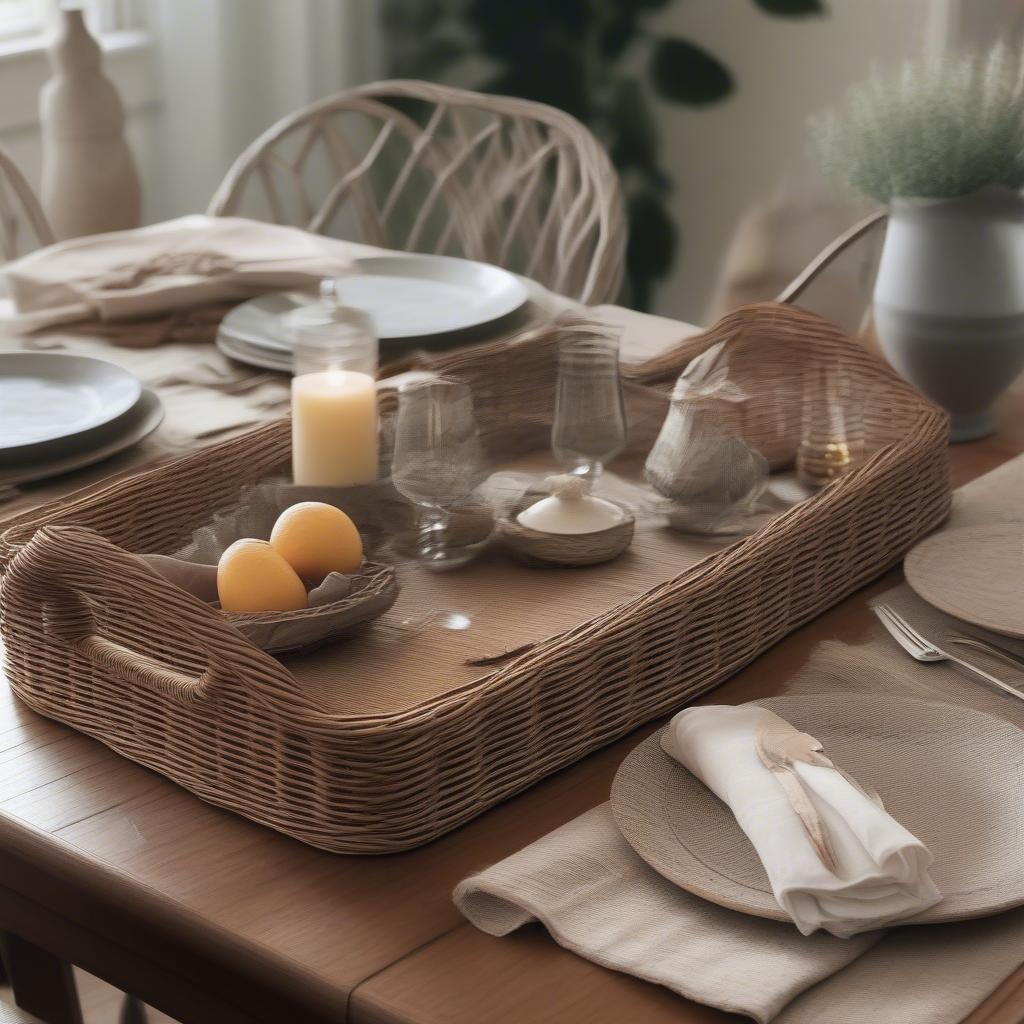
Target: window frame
24,25
130,59
30,29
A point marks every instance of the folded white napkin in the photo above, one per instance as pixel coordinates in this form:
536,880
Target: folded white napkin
165,268
882,870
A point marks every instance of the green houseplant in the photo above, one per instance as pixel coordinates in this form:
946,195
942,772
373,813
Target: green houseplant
599,60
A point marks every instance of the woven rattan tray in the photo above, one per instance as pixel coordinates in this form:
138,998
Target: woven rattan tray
393,738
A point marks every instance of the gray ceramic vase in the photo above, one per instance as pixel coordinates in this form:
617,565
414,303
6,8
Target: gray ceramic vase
949,301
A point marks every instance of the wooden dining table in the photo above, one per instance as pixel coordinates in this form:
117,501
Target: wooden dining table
211,918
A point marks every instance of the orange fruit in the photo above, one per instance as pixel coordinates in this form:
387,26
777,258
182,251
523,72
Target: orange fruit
316,539
253,577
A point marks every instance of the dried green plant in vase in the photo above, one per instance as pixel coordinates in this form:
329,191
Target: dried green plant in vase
942,144
937,128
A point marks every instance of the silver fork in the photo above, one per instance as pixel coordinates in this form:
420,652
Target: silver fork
924,650
993,650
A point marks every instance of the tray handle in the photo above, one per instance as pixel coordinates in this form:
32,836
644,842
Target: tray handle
134,667
109,606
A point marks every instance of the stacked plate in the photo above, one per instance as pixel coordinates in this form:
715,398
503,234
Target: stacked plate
411,298
64,412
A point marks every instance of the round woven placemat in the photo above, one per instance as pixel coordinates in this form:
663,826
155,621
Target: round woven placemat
950,775
973,574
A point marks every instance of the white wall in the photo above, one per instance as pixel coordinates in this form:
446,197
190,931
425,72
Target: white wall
725,157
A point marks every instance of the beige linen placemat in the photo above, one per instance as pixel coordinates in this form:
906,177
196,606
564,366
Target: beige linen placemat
599,899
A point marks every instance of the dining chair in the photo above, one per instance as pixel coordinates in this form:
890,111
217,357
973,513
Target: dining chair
861,246
430,168
20,212
865,227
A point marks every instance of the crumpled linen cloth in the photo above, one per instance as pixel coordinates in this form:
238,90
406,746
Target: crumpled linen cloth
173,280
882,870
599,899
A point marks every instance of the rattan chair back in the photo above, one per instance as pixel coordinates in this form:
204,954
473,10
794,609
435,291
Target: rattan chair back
428,168
23,225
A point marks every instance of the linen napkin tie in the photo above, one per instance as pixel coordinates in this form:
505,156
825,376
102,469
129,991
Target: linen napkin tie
880,872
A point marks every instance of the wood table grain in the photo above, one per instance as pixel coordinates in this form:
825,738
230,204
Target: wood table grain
213,919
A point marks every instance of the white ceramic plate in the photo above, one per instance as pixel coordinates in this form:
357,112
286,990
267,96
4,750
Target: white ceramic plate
253,355
413,296
260,322
46,397
409,296
139,422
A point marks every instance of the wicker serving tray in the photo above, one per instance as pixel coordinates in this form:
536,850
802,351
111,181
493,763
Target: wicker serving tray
392,739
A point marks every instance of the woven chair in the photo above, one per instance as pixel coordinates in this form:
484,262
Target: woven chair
428,168
871,225
20,213
864,239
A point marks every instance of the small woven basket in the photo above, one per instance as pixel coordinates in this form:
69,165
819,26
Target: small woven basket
373,591
336,607
539,548
338,604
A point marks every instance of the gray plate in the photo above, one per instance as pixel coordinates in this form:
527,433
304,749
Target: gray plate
253,355
146,415
51,403
410,297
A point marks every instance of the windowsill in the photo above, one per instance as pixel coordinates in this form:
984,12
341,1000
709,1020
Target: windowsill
129,60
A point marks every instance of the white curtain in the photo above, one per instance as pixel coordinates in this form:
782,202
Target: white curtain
231,68
977,24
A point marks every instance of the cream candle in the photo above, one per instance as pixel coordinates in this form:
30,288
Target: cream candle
334,394
334,428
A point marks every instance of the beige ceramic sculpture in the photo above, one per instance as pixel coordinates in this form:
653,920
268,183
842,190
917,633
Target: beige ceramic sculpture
89,181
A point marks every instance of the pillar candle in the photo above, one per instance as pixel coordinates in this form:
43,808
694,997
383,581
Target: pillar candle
334,428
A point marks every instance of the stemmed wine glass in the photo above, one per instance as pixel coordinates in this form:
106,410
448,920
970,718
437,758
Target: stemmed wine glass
590,414
437,462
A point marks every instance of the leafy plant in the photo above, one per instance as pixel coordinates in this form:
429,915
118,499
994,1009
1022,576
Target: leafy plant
595,59
937,129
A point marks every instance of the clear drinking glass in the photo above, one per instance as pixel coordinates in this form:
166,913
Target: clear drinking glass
832,425
328,335
590,413
437,463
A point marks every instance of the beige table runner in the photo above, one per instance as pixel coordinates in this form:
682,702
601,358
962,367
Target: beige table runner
599,899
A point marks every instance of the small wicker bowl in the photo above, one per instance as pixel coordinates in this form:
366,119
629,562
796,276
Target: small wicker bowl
565,548
371,591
